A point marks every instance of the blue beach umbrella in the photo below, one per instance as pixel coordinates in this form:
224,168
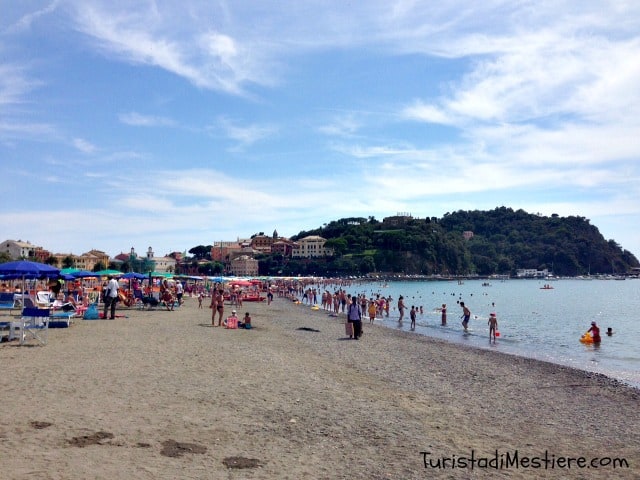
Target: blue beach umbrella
139,276
27,269
24,269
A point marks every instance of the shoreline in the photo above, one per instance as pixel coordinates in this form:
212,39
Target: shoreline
522,354
117,397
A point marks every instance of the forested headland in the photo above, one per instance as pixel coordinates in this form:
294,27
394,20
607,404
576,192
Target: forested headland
483,243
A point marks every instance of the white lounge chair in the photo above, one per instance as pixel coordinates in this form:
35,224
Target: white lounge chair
44,299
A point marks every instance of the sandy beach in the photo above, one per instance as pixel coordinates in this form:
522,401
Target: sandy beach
163,395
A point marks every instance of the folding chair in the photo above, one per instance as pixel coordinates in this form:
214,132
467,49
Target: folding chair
34,323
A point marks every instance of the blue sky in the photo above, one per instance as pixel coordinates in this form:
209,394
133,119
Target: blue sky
175,124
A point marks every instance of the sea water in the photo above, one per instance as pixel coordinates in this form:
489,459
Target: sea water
544,324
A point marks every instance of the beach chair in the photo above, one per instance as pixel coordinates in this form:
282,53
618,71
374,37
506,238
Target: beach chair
8,301
34,324
62,318
44,299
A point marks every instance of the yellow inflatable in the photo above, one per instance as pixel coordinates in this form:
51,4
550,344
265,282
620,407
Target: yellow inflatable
315,307
586,338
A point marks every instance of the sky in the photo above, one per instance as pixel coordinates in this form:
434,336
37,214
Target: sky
171,124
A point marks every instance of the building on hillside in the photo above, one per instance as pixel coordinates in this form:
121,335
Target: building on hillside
165,264
61,258
397,220
467,234
263,243
94,257
18,250
311,247
244,266
222,251
283,246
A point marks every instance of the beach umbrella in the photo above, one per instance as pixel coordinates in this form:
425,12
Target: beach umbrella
24,269
161,274
106,273
27,269
83,274
139,276
69,271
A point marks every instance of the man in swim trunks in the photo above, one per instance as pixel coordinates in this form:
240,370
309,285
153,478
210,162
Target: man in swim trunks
466,315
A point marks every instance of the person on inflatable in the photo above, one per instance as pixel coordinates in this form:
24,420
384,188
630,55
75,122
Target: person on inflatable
595,332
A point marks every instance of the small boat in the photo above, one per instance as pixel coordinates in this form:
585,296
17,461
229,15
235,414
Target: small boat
546,287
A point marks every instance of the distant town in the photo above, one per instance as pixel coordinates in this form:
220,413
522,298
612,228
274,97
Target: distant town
236,257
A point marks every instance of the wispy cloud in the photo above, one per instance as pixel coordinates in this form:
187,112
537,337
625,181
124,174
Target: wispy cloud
195,48
244,135
83,145
140,120
15,84
24,23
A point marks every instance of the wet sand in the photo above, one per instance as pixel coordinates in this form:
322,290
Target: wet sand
163,395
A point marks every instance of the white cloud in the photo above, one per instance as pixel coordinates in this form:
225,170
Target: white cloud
140,120
244,135
83,145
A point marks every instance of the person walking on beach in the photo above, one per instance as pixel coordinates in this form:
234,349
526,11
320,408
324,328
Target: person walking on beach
111,297
466,315
354,316
401,308
493,326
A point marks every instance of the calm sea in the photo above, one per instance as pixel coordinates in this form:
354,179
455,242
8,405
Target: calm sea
533,322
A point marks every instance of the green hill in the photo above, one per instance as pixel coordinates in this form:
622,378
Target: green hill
500,242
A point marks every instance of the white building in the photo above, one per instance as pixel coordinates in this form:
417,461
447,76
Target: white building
18,250
531,273
311,247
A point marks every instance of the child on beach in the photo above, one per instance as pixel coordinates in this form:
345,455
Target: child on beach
372,310
200,297
493,325
412,315
246,321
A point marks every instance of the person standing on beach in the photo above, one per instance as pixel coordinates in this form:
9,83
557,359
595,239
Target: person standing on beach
412,315
493,326
401,308
443,310
466,315
179,291
219,296
111,297
354,316
269,296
